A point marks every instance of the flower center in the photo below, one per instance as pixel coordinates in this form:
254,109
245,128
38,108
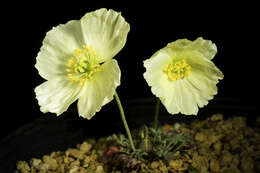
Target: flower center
177,70
82,65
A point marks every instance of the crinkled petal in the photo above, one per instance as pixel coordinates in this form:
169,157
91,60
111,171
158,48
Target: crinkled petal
204,85
100,90
189,103
154,74
58,45
187,94
196,96
204,47
170,96
180,45
56,95
178,98
204,66
203,79
105,30
160,85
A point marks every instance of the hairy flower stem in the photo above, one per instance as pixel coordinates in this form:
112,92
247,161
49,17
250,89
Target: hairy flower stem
124,121
156,114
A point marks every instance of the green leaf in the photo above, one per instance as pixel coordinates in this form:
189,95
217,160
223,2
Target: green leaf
191,169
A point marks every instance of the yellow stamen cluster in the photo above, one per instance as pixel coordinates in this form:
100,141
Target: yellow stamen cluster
82,65
177,70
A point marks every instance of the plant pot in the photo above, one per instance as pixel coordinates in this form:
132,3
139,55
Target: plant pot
51,133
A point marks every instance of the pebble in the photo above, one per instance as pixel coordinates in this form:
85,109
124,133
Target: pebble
78,154
200,137
166,128
235,160
85,147
23,167
75,163
247,164
87,160
226,158
217,146
214,165
200,162
74,169
205,144
162,168
99,169
234,142
155,164
176,164
239,122
35,163
51,162
44,166
216,117
227,126
212,138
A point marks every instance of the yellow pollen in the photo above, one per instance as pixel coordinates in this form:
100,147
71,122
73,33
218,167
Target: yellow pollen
82,65
70,62
177,70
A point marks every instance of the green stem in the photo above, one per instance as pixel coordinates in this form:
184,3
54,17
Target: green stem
156,114
178,147
124,121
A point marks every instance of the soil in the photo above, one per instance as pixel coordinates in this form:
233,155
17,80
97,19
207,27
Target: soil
221,146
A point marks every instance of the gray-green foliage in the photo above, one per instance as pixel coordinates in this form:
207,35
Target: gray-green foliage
192,170
152,144
165,145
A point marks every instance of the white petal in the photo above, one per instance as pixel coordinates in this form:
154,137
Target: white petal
205,47
202,87
180,45
199,64
158,80
171,100
202,80
203,83
100,90
154,71
106,31
189,104
197,97
58,45
56,95
178,98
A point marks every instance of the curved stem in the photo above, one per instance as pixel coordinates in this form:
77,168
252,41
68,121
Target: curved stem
156,114
124,121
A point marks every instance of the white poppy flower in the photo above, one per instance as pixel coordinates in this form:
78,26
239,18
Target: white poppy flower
183,76
76,60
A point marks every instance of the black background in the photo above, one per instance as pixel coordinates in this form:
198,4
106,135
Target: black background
232,27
